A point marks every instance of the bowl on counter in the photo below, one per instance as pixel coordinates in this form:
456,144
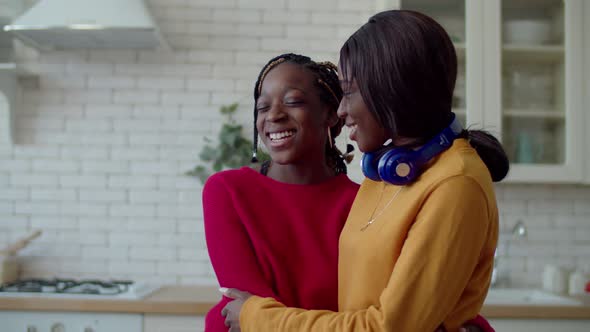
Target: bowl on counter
527,31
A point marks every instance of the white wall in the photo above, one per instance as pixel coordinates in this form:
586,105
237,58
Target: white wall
103,138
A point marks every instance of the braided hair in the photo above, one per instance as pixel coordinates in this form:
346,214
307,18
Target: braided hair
330,93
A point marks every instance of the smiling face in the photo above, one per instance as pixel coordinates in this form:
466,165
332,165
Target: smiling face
364,127
292,121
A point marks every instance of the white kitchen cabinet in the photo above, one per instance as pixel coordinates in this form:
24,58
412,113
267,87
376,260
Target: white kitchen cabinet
33,321
8,96
586,56
523,79
173,323
540,325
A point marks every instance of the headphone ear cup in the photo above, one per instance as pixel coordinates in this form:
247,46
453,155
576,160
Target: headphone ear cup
369,164
397,167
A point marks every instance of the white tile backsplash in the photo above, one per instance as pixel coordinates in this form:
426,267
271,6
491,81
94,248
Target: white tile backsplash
103,140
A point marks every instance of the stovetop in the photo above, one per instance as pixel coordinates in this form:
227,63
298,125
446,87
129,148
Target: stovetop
85,288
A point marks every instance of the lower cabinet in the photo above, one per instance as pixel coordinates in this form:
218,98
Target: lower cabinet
37,321
173,323
540,325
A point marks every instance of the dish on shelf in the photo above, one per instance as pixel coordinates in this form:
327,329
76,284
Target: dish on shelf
528,86
527,31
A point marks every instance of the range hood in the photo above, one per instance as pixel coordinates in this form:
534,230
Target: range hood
88,24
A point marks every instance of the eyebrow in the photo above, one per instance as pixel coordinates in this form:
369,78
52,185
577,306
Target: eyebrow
287,90
293,88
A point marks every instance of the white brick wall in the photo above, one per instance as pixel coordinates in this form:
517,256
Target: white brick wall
103,140
557,232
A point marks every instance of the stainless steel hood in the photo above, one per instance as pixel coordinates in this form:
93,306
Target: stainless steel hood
88,24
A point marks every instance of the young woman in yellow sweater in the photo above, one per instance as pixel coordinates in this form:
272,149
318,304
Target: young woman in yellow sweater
417,249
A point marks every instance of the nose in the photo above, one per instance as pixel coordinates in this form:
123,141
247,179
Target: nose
275,113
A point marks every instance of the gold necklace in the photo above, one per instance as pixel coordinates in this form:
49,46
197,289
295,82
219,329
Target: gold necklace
373,217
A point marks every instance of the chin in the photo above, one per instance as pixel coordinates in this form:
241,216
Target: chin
281,158
362,146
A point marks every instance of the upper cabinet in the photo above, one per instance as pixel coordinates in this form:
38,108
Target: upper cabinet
452,15
522,77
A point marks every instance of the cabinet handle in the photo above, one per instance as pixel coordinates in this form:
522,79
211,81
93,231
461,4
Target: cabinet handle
58,327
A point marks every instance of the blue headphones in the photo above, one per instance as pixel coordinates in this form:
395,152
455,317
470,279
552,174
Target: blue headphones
401,166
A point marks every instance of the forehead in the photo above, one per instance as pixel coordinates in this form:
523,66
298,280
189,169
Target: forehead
289,75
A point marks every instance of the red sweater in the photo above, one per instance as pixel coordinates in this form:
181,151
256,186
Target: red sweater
275,239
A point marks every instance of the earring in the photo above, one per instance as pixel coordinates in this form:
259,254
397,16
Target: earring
255,152
330,138
349,155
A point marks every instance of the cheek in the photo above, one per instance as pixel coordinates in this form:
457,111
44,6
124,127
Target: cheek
259,124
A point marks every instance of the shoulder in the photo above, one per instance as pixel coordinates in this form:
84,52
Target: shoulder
229,178
345,181
458,175
461,160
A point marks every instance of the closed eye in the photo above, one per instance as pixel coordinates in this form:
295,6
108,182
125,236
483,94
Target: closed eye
262,108
294,103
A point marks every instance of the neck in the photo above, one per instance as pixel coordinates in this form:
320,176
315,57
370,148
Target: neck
304,173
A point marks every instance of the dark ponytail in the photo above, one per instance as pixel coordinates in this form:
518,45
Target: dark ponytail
491,152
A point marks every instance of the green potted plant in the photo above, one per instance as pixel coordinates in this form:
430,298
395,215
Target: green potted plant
233,150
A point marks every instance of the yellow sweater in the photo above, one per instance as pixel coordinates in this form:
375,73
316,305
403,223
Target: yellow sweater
426,260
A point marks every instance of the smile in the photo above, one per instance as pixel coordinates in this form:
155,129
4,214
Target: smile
277,136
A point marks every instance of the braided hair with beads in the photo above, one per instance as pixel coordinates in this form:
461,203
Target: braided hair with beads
330,94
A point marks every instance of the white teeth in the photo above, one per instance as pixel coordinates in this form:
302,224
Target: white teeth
280,135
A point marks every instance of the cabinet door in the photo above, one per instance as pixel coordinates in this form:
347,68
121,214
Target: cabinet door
17,321
586,92
533,86
462,21
173,323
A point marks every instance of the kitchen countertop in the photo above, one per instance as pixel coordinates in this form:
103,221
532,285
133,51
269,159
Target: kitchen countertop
196,300
178,300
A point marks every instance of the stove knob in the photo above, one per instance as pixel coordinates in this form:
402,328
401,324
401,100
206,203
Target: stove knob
31,328
58,327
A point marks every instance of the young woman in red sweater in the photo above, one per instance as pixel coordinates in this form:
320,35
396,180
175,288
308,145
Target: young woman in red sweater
284,219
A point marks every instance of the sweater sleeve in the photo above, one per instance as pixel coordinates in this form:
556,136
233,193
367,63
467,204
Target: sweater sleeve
482,323
230,249
435,265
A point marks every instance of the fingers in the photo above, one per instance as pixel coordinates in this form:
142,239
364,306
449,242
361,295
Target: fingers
235,294
232,293
224,311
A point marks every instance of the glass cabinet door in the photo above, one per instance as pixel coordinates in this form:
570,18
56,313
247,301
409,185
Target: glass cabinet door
533,81
540,80
451,14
